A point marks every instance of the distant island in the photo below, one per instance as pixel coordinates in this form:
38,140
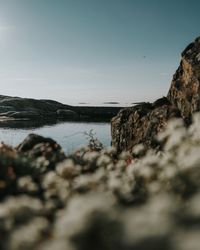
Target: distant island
111,103
27,109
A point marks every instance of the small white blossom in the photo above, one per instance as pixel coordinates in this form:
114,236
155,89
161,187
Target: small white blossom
26,184
67,169
103,160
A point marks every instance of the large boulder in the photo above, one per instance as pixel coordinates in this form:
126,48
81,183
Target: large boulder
43,153
184,92
32,140
140,124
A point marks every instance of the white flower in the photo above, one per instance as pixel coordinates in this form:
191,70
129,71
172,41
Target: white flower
29,234
139,148
175,139
67,169
26,184
103,160
109,150
90,156
50,180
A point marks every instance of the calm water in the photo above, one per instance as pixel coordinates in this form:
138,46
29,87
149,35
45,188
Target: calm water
70,135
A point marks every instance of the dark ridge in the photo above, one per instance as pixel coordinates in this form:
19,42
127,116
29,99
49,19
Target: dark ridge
111,103
17,108
190,46
161,101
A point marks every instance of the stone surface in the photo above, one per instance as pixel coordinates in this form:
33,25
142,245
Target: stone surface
141,123
32,140
42,153
184,92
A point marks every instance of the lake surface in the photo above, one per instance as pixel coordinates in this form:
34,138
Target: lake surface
70,135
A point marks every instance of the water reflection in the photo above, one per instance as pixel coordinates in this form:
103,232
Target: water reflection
27,124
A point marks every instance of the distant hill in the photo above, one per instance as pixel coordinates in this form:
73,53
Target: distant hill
27,108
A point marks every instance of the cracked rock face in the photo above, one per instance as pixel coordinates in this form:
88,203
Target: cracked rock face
141,123
184,92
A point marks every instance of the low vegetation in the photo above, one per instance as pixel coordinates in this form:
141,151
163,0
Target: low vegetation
98,199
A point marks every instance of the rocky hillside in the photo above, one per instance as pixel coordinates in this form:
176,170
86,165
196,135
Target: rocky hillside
140,124
13,108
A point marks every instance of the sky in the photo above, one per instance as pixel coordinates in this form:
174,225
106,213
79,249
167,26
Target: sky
93,51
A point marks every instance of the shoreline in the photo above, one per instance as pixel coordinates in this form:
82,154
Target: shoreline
45,111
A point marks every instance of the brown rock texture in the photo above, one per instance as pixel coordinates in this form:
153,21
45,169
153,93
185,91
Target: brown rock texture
184,92
141,123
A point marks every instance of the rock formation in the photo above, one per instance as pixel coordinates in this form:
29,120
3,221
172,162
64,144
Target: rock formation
140,123
16,108
184,92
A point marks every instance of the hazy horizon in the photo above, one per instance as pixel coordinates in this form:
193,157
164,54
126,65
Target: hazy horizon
93,51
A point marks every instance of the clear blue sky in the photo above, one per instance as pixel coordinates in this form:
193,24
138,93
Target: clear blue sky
93,50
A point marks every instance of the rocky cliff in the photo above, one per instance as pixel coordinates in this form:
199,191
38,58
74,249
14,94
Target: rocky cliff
140,123
184,92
